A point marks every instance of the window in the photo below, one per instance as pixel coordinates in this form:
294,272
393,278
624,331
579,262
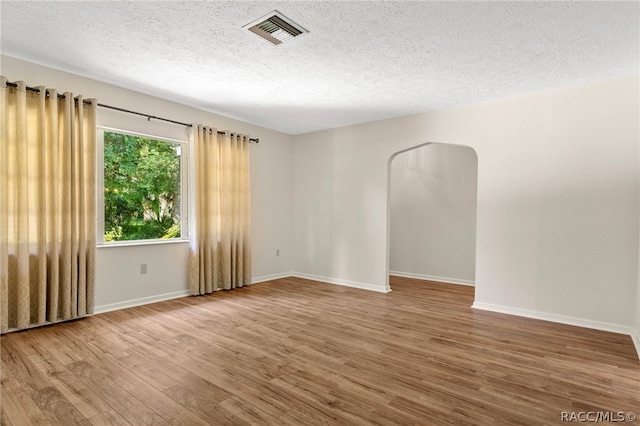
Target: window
142,187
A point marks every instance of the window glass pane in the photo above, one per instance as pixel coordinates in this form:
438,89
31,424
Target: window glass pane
141,188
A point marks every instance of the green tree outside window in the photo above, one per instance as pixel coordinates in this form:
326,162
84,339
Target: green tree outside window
141,188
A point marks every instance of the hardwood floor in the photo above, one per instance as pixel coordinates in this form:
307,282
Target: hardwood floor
298,352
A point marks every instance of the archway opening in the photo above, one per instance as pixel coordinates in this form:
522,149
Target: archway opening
432,213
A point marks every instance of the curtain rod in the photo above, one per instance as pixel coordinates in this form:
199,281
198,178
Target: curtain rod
149,117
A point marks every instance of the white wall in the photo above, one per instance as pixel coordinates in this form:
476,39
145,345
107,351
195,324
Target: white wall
433,194
557,219
118,281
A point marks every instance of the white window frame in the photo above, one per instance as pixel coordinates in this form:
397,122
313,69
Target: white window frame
184,196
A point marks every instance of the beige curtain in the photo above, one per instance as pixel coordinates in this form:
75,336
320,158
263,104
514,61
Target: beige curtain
47,207
220,254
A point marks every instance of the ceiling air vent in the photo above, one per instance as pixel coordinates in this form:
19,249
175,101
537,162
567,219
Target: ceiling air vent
276,28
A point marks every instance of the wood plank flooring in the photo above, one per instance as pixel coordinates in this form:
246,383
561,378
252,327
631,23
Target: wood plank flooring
299,352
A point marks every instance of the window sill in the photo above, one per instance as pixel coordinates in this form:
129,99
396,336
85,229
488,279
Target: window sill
141,243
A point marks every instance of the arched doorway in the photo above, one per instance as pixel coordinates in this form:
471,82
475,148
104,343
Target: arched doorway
432,204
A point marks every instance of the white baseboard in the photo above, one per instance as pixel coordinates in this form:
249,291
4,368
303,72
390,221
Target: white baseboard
168,296
178,294
342,282
271,277
139,302
445,280
635,336
562,319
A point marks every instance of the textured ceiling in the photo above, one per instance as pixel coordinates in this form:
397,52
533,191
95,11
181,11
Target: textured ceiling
361,61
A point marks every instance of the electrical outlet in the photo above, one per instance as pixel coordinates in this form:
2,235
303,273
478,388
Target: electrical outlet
277,252
143,268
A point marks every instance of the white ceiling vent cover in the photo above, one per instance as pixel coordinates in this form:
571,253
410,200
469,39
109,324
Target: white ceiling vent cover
276,28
